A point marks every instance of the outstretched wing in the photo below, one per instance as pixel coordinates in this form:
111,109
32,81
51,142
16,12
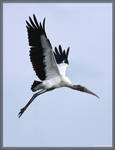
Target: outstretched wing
62,59
41,54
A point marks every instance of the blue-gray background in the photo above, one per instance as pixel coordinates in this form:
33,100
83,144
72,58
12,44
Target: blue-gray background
63,117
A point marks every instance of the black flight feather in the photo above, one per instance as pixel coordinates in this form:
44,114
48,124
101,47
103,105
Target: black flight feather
35,31
61,56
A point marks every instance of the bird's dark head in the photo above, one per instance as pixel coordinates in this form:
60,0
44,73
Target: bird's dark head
83,89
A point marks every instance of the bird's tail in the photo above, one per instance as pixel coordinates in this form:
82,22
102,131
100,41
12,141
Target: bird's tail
34,86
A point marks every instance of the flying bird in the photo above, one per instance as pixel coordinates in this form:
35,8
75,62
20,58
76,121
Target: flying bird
49,64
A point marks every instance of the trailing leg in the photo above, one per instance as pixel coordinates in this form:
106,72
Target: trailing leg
30,101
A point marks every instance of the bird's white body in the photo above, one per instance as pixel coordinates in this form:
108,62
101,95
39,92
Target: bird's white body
57,82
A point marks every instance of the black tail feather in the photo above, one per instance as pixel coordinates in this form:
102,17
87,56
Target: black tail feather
35,83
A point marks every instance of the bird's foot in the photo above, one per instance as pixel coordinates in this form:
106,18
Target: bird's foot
21,112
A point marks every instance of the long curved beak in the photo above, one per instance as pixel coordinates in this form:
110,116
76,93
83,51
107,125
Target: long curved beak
84,89
90,92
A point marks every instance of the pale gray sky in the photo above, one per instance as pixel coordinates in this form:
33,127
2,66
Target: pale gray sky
63,117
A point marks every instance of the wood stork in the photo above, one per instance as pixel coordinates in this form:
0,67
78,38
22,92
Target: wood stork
50,66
